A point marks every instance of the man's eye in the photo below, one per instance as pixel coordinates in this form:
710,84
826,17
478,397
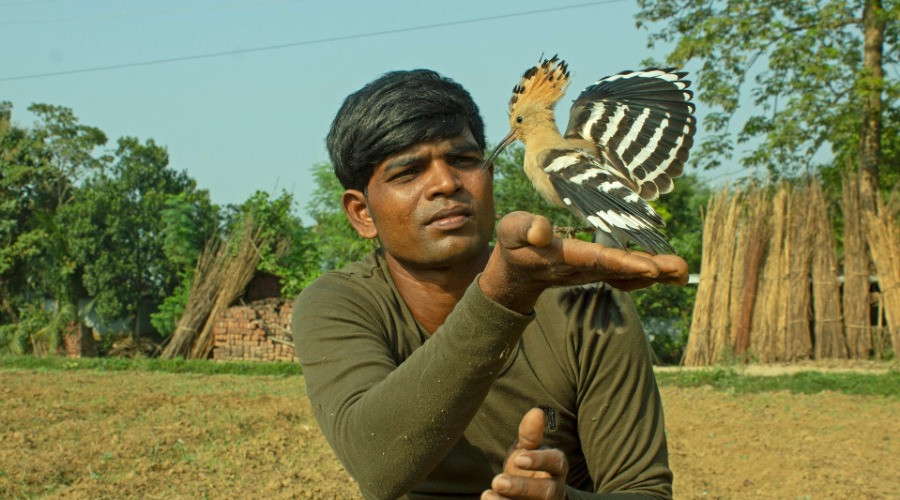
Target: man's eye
406,174
467,161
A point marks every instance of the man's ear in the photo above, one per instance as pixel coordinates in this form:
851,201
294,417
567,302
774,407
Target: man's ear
356,206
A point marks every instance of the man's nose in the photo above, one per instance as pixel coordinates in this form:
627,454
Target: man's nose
444,180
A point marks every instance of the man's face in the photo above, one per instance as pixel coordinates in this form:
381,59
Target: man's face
432,204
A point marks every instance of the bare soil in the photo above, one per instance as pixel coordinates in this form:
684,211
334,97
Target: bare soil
84,434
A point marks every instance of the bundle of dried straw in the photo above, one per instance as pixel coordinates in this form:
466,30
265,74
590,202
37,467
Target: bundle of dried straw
201,299
829,332
884,241
856,274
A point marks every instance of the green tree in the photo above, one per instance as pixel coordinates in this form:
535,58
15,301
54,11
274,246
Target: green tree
337,242
189,223
40,169
289,250
818,78
119,238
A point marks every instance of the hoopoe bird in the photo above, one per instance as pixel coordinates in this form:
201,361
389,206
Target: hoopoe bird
628,136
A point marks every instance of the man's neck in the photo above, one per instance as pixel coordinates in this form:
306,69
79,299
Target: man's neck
432,293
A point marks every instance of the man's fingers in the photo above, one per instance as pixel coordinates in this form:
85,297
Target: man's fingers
540,233
531,430
507,486
519,229
626,264
551,461
674,268
614,261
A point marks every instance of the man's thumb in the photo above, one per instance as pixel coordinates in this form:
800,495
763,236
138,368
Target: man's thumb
531,430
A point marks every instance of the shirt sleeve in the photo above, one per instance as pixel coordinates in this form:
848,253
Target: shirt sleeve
391,423
619,410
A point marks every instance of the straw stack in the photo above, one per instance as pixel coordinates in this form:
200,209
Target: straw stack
795,308
884,240
743,237
720,335
856,274
749,255
764,326
699,350
238,270
201,299
826,293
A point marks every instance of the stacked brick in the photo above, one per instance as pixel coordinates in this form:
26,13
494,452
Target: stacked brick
78,341
258,331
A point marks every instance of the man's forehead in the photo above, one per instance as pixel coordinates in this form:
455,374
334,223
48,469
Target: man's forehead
465,141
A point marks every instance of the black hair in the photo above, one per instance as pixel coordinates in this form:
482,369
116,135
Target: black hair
392,113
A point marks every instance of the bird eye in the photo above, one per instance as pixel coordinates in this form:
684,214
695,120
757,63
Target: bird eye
518,119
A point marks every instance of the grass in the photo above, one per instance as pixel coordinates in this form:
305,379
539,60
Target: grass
807,382
721,378
148,365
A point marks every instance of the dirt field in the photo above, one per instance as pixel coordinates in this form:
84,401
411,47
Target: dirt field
85,434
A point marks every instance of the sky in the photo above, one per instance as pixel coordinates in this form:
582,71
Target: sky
242,92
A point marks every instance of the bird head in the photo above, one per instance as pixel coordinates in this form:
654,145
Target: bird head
533,100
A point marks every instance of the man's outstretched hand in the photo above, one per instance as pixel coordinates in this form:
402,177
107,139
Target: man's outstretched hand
531,472
529,258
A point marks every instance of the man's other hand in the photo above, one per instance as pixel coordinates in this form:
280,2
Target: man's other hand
531,472
529,258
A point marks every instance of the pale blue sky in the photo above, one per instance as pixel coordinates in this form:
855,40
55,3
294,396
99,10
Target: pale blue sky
256,120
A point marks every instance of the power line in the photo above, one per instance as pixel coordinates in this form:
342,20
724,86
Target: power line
144,13
25,2
307,42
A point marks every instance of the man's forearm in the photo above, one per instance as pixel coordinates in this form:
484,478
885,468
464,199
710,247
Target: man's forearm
390,427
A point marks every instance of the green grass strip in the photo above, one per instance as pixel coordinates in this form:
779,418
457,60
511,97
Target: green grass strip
720,378
149,365
806,382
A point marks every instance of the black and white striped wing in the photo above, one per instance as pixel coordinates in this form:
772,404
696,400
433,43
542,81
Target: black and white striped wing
597,193
642,123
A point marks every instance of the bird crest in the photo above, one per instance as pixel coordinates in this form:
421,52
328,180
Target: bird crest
544,84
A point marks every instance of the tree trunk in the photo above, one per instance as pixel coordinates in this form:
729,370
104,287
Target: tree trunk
139,287
872,84
7,307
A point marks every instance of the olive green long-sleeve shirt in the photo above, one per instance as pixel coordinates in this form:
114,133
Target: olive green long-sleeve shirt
425,416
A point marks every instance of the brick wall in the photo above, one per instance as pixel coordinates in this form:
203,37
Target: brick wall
258,331
78,341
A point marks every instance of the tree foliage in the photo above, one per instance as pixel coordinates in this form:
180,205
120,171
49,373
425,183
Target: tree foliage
337,242
40,169
117,235
79,222
802,63
289,251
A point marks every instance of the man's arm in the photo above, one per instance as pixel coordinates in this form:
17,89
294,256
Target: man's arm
389,424
619,412
528,259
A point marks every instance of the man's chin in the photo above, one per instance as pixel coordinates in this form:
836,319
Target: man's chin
455,250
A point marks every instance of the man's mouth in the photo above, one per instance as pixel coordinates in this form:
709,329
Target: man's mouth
450,218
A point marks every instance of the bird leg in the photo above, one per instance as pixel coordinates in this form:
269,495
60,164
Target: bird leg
569,231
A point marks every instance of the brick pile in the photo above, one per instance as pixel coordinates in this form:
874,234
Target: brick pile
78,341
258,331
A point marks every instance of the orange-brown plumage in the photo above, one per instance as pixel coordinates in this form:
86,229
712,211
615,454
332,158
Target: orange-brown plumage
628,136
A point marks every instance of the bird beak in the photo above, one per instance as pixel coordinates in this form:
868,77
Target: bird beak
509,139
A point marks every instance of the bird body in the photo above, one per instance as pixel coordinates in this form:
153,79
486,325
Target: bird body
628,136
540,145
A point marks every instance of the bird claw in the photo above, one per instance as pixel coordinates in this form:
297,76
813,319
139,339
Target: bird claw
569,231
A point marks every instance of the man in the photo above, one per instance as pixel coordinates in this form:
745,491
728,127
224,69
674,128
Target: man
423,360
